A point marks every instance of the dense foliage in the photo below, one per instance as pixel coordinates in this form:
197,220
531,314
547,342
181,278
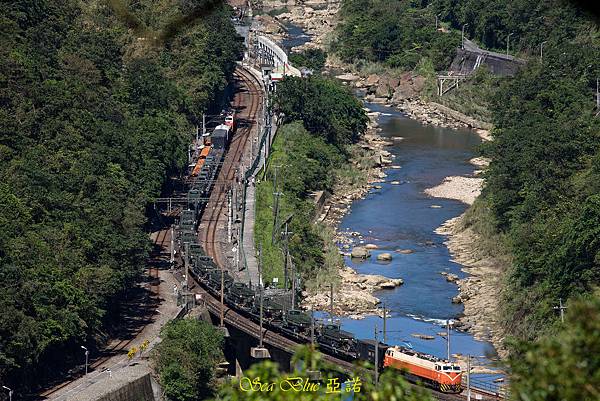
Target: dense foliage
324,106
538,370
299,164
322,119
401,33
392,386
529,23
542,185
92,121
186,359
397,33
313,59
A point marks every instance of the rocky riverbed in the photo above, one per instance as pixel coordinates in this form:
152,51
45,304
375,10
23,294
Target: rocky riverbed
354,297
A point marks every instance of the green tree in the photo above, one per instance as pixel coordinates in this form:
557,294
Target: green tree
324,106
564,365
187,357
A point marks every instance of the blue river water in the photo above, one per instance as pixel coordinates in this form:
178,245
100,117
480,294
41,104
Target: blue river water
402,217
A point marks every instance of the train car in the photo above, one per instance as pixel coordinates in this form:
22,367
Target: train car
187,220
241,295
340,340
214,279
440,374
365,350
201,160
188,236
203,266
272,311
297,321
230,120
220,137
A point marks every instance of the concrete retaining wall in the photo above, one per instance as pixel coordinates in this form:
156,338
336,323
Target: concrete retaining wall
130,384
465,61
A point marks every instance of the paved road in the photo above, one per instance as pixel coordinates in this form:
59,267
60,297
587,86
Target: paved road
472,47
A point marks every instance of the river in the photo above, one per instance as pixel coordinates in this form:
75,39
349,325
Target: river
404,217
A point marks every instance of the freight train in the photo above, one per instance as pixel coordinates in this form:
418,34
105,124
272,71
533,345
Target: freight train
292,323
296,324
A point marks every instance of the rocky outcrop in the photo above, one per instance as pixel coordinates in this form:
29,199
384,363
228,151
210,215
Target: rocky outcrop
479,292
354,297
385,257
360,252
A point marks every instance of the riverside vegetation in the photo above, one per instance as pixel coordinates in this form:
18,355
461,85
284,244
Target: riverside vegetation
540,205
310,153
94,117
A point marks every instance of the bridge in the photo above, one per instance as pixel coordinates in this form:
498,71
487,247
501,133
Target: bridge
268,53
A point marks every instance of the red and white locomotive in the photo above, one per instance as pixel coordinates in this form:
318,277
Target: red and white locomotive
440,374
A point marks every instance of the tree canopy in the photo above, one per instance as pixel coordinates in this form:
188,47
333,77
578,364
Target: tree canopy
325,107
92,121
187,357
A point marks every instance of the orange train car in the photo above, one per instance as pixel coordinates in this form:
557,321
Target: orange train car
441,374
201,160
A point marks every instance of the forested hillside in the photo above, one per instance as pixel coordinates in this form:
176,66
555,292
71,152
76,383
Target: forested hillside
94,117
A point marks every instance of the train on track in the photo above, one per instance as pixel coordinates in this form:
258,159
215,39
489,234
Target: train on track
210,150
292,323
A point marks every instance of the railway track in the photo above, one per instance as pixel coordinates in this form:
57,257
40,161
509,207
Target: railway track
213,216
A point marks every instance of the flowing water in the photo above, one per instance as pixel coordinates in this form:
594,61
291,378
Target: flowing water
404,217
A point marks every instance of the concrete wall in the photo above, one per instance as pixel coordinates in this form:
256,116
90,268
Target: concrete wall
465,61
129,384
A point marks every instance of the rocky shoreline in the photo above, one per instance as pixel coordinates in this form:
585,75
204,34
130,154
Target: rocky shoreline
480,290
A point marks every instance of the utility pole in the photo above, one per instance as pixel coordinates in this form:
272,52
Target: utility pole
384,323
229,215
276,194
203,125
376,357
222,297
293,281
312,327
468,377
598,95
448,338
260,284
286,257
87,353
463,35
562,310
260,352
172,248
508,42
542,51
331,301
